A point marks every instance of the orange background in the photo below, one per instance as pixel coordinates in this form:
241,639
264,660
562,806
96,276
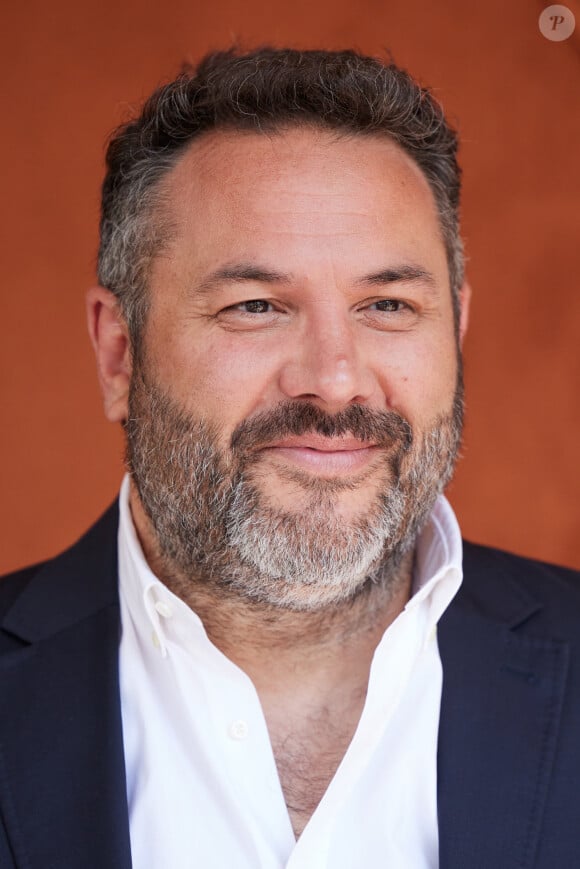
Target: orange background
72,71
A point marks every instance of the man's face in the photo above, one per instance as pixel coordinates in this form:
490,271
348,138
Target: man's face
297,395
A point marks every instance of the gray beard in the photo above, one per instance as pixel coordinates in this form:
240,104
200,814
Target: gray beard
215,525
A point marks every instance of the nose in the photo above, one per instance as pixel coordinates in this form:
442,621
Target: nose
329,364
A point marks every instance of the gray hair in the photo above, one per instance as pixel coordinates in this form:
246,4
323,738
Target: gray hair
266,90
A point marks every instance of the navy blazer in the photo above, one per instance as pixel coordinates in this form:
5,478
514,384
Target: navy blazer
509,735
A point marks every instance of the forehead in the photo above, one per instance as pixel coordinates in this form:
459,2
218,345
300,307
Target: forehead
303,192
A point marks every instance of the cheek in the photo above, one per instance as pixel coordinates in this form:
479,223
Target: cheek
220,379
419,378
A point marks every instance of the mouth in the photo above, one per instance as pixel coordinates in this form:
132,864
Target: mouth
323,455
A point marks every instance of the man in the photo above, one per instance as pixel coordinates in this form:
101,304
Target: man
275,651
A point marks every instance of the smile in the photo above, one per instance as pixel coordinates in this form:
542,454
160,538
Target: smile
323,455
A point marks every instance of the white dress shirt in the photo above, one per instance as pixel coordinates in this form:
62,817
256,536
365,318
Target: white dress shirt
202,783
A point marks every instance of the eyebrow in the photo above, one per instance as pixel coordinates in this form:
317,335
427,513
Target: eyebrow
399,274
241,273
248,273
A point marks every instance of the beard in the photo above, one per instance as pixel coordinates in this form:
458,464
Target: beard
215,524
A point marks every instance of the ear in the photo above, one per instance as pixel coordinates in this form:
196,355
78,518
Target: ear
110,339
464,303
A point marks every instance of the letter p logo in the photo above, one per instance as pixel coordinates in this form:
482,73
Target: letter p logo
557,23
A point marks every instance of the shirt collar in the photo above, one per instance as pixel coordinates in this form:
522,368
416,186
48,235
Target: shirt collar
438,571
150,603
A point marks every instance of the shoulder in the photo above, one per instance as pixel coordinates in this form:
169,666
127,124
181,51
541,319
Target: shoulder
52,592
12,584
489,573
486,557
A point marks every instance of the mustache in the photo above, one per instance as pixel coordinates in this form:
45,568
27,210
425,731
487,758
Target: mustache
383,428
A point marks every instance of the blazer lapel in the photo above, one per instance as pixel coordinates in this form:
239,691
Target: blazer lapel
503,689
62,777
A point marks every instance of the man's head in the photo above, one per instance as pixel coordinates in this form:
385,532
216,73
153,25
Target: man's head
286,349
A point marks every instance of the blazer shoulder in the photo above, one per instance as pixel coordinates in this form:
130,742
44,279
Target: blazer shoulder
520,564
12,584
554,587
45,596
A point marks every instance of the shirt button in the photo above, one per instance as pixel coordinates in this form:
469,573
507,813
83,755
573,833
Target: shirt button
238,729
164,609
156,640
431,638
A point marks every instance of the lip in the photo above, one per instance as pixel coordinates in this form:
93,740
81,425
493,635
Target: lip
318,454
322,444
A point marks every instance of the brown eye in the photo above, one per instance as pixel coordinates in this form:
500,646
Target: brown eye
388,305
254,306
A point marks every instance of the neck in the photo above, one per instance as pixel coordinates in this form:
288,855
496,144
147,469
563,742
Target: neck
303,652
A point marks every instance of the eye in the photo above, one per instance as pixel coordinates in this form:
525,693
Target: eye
250,315
253,306
390,306
390,315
